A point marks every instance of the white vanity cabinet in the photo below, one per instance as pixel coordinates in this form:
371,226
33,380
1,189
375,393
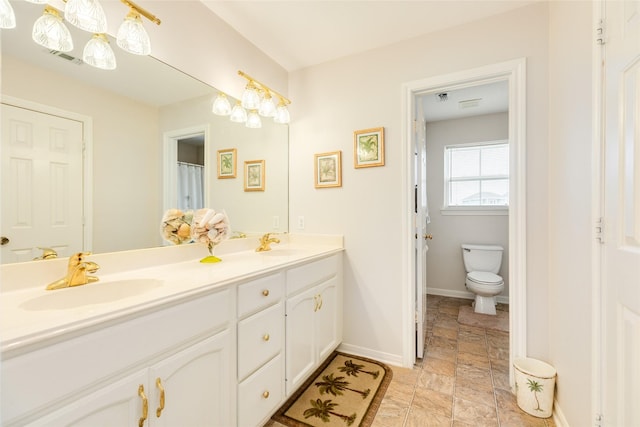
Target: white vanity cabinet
260,348
313,317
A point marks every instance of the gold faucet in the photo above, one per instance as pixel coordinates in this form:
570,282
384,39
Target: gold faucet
47,253
77,270
266,241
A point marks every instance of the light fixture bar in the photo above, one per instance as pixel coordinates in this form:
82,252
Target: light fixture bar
151,17
262,85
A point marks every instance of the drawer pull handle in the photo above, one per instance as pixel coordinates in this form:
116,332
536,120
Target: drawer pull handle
266,337
145,406
320,302
161,388
265,394
265,292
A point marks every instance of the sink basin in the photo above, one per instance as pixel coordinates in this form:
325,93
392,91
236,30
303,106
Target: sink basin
93,293
280,252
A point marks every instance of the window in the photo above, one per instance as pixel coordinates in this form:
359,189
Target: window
476,176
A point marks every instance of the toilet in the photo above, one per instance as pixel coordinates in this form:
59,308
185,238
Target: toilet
482,263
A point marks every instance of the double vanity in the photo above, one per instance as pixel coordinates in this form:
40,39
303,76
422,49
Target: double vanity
164,340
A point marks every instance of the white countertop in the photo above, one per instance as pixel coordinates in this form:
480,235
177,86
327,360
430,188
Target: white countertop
140,280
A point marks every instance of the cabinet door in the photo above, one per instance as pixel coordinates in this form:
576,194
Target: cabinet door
327,319
118,404
198,385
300,338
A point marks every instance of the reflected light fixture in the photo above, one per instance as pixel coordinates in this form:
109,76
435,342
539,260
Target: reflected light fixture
7,15
37,1
221,105
238,113
98,53
49,31
87,15
131,36
253,120
265,105
250,96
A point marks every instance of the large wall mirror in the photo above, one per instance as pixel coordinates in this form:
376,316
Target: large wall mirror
138,122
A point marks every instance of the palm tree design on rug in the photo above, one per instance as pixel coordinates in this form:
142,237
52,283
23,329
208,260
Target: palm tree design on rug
353,369
535,387
336,385
324,408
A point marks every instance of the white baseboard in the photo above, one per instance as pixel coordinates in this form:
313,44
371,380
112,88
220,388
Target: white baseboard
558,415
504,299
388,358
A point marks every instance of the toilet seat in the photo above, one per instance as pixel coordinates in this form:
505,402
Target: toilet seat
484,278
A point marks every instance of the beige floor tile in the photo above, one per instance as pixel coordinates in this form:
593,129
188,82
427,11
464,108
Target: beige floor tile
437,382
446,343
473,412
439,331
477,360
472,347
390,414
404,375
439,366
441,353
433,401
485,397
519,419
449,309
474,378
419,417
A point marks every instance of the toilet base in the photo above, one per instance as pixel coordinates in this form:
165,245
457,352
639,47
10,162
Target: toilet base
484,305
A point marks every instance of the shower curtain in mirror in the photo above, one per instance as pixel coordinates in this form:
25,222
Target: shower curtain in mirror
190,186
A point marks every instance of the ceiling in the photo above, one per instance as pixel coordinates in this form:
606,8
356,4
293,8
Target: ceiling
302,33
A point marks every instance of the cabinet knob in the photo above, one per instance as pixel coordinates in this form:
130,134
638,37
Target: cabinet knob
265,394
265,292
266,337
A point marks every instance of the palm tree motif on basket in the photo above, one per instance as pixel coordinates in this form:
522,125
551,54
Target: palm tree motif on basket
353,369
535,387
336,386
324,408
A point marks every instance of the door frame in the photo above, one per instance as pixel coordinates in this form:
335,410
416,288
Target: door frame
87,158
170,159
514,72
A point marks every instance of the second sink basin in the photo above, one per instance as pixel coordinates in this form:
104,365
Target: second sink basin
93,293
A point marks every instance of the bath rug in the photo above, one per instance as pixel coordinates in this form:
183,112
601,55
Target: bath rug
499,322
345,391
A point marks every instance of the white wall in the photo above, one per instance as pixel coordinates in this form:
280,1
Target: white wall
364,91
570,198
445,269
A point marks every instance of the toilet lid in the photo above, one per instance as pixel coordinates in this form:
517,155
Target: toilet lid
484,277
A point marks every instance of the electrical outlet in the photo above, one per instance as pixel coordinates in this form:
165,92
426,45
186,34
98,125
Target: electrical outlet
300,222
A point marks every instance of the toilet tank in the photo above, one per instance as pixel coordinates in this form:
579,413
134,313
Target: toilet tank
482,258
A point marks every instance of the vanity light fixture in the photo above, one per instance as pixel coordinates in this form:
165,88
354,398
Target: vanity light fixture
98,53
265,94
37,1
131,36
87,15
49,31
221,105
238,113
250,96
253,120
7,15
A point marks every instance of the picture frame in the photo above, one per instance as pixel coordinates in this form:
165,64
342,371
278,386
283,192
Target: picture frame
368,148
227,163
327,168
254,175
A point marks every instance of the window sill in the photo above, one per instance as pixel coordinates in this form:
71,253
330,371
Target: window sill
502,210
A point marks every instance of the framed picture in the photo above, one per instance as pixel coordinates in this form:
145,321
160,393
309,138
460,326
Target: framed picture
368,148
227,163
328,169
254,175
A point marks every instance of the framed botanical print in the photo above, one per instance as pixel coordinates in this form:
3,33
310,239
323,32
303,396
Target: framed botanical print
368,148
328,169
254,175
227,163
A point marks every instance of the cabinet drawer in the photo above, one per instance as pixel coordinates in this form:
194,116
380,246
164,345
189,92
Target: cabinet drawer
260,394
260,337
310,274
259,293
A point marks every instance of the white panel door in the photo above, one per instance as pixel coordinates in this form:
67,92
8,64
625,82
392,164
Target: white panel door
42,184
621,251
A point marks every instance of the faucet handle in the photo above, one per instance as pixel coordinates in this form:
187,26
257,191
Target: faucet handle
47,253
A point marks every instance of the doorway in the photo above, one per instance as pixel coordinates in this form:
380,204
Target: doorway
513,72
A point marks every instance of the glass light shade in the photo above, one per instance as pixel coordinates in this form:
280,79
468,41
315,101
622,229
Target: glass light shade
7,15
267,106
98,53
49,31
37,1
253,120
132,36
238,114
221,105
250,97
282,114
87,15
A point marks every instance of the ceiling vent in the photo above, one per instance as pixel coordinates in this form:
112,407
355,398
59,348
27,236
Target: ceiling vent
442,96
469,103
67,57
